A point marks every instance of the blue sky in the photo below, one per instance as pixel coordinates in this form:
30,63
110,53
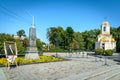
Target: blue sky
81,15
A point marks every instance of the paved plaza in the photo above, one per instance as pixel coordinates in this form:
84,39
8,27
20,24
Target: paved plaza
78,67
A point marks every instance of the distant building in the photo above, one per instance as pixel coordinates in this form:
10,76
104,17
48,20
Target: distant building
105,40
23,37
17,37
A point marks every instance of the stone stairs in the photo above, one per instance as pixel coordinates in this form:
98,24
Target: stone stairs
115,77
109,74
104,73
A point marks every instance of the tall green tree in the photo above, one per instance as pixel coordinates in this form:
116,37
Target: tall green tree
80,41
60,37
25,42
116,34
20,48
90,38
69,36
21,33
53,35
74,45
4,37
61,33
39,45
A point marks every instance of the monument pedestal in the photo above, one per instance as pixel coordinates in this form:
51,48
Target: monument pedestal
32,53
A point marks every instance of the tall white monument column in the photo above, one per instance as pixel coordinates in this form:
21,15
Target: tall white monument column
32,52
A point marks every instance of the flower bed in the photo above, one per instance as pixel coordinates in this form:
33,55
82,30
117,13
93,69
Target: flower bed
22,60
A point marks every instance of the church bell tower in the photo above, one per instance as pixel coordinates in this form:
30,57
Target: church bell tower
105,28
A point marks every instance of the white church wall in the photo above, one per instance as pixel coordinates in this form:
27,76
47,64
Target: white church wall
105,38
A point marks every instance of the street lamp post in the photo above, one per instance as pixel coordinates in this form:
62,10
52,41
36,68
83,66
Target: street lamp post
56,44
95,57
101,57
105,59
83,54
106,64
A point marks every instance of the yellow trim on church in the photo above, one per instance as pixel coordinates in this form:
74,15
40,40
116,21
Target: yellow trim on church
112,39
104,39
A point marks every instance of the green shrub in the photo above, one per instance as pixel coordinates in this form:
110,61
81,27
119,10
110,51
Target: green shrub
109,52
54,49
99,51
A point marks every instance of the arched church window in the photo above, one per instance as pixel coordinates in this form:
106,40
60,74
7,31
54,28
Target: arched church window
104,28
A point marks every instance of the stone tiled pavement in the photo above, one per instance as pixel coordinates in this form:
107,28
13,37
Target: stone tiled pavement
2,75
56,70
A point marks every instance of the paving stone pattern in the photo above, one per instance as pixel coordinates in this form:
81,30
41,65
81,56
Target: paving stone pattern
64,70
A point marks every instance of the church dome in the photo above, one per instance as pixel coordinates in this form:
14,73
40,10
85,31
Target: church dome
112,39
105,23
104,39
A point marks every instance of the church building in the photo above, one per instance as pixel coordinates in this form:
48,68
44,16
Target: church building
104,39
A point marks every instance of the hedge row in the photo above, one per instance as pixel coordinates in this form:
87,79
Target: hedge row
108,52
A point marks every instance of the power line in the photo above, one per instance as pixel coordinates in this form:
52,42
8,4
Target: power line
13,14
